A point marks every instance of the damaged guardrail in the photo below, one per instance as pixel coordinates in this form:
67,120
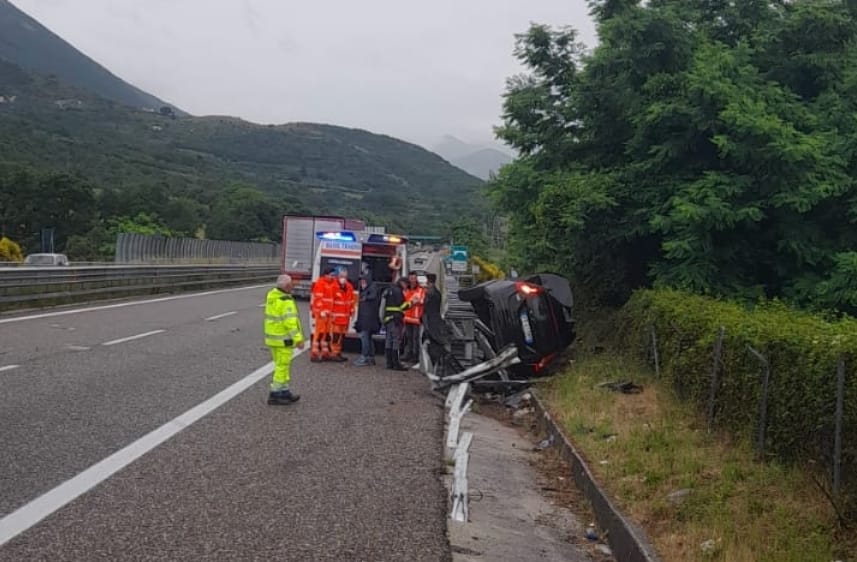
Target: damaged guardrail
24,287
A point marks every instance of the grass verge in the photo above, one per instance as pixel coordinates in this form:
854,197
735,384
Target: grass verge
685,487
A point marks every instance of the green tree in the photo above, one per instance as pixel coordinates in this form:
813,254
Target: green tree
243,213
31,202
703,145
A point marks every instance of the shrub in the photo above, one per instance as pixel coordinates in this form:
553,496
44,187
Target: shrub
487,270
803,350
10,251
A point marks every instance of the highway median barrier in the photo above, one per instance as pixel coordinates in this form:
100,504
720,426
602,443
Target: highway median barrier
23,287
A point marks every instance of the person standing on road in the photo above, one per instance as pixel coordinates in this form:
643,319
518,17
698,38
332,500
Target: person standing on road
321,306
415,294
343,310
395,306
367,320
282,334
432,320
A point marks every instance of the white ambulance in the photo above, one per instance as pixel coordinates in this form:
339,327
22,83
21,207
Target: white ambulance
368,251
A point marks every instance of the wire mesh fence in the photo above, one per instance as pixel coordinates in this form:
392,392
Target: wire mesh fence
826,436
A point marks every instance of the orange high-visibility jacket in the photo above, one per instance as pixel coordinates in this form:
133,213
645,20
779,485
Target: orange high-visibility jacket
417,296
321,299
343,303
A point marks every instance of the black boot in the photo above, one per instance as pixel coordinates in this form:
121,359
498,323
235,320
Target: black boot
397,365
282,398
389,354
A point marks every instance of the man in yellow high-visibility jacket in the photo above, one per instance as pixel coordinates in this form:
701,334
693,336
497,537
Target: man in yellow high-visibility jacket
282,334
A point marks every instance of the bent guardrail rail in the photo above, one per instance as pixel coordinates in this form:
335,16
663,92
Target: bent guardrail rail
23,287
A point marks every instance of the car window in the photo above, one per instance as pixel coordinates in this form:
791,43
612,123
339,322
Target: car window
39,260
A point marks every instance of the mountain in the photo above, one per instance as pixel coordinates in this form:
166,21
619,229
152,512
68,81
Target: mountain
28,44
452,148
482,163
477,160
47,124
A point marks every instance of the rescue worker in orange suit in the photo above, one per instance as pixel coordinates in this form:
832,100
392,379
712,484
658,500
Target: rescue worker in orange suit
343,310
416,295
283,333
321,306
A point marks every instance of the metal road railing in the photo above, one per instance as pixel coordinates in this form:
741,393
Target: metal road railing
48,286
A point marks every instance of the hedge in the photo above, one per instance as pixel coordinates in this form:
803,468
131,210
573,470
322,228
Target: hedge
803,350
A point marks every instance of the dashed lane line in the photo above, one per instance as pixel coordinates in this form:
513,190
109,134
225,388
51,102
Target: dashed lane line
131,338
124,304
219,316
36,510
8,368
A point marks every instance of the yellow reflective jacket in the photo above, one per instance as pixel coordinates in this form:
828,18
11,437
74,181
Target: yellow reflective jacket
282,323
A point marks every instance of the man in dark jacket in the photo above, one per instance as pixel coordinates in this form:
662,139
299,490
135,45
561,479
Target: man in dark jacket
434,326
395,306
367,320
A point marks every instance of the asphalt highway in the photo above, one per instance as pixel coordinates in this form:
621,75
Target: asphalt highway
139,431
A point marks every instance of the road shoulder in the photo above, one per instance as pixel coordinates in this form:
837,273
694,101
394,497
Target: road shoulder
513,515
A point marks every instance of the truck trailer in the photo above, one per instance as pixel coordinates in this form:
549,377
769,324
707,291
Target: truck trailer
300,246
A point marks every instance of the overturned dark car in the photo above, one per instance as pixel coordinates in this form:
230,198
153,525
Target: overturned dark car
534,314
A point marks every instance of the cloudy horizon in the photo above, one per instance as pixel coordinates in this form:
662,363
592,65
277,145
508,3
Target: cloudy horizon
413,72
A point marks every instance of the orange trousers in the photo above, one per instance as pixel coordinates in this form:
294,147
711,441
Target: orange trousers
320,336
337,334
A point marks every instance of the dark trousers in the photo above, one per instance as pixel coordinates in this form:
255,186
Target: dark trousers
393,337
412,340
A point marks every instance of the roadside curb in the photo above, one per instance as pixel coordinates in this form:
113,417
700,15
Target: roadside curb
627,541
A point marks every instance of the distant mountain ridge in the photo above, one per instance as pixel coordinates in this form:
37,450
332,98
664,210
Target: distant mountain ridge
477,160
28,44
61,111
48,125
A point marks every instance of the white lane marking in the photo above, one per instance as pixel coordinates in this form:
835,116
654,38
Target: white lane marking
137,337
30,514
262,305
8,368
124,304
219,316
77,348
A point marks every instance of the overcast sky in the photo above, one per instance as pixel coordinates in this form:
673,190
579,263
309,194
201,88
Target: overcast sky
412,69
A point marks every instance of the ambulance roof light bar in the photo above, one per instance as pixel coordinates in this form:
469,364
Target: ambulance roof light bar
337,236
386,239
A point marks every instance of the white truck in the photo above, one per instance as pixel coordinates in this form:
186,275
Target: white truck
300,246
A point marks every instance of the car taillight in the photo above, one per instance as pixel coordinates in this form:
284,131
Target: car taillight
544,362
527,289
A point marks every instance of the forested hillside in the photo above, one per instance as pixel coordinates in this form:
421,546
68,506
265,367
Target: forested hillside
214,176
27,43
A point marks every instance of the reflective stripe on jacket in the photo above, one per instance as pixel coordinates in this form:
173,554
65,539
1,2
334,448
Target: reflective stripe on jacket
343,304
321,299
395,304
282,323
